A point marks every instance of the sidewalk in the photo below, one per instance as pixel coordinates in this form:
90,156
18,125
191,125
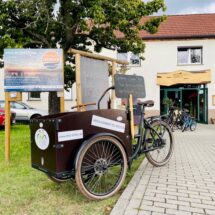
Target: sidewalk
185,186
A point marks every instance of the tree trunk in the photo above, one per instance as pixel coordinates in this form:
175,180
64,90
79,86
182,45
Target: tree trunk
54,103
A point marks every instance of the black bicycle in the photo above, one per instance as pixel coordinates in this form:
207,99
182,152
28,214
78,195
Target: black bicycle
154,138
171,118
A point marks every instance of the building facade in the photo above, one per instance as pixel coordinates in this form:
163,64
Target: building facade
179,65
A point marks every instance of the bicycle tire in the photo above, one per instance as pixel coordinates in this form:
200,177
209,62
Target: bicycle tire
101,168
183,127
193,126
151,155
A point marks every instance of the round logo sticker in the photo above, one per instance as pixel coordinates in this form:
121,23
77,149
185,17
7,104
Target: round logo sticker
51,59
42,139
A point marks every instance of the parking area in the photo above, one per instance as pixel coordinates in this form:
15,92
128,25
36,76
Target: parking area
185,186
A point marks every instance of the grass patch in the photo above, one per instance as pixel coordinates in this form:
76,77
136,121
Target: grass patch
24,190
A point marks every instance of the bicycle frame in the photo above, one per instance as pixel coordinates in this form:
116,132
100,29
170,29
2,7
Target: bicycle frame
144,128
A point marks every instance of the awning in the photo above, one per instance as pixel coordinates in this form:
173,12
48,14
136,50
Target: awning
184,77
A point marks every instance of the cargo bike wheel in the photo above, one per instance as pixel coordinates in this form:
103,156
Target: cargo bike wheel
101,168
159,143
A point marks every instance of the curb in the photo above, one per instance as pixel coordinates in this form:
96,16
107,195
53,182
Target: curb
123,201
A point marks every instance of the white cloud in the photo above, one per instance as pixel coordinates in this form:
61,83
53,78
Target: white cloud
198,10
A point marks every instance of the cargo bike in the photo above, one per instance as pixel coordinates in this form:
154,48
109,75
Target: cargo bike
96,147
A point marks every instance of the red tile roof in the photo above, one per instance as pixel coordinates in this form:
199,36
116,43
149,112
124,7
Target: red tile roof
190,26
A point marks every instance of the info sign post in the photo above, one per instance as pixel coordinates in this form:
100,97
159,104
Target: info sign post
30,70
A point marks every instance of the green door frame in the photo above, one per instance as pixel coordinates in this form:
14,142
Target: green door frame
166,90
205,93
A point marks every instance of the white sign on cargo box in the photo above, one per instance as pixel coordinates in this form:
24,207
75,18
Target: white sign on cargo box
70,135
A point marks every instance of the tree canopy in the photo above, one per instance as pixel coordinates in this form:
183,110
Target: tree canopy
76,24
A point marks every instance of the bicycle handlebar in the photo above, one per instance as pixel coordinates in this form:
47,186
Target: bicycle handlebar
109,88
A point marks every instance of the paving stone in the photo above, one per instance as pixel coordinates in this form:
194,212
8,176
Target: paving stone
165,205
204,206
142,212
189,200
208,202
154,199
174,197
176,202
209,212
147,202
131,211
176,212
191,209
134,203
153,209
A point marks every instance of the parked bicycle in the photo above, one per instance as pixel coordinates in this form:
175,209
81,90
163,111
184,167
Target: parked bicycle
180,119
188,122
172,118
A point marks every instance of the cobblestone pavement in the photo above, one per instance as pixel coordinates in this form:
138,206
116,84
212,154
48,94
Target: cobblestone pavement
185,186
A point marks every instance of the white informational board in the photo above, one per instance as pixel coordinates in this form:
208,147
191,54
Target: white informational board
28,70
94,81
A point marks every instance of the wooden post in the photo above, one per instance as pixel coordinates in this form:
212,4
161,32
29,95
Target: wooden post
78,79
62,104
113,95
7,126
132,115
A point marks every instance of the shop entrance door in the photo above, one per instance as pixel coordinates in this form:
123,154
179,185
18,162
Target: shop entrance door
194,98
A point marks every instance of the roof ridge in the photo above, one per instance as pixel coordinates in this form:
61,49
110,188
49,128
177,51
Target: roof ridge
190,14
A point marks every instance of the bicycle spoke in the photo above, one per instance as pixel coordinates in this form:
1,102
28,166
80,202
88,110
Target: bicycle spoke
102,167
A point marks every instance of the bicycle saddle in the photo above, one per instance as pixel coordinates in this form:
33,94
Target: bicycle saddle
148,103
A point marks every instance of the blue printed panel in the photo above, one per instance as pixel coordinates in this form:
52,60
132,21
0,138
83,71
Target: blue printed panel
33,70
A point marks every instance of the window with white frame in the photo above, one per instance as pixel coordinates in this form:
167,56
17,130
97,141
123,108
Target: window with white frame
34,96
133,59
189,55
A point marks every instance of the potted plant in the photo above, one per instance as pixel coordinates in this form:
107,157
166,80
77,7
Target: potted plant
168,103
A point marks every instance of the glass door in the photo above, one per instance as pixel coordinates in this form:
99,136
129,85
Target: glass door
190,101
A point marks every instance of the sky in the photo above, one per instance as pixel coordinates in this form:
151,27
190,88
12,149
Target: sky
185,6
189,6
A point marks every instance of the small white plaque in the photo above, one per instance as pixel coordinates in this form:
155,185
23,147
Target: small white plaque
108,124
70,135
13,95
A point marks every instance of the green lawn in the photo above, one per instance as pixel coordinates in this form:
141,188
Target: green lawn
25,191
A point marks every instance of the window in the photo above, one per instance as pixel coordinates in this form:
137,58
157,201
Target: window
133,59
17,106
191,55
34,96
1,104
